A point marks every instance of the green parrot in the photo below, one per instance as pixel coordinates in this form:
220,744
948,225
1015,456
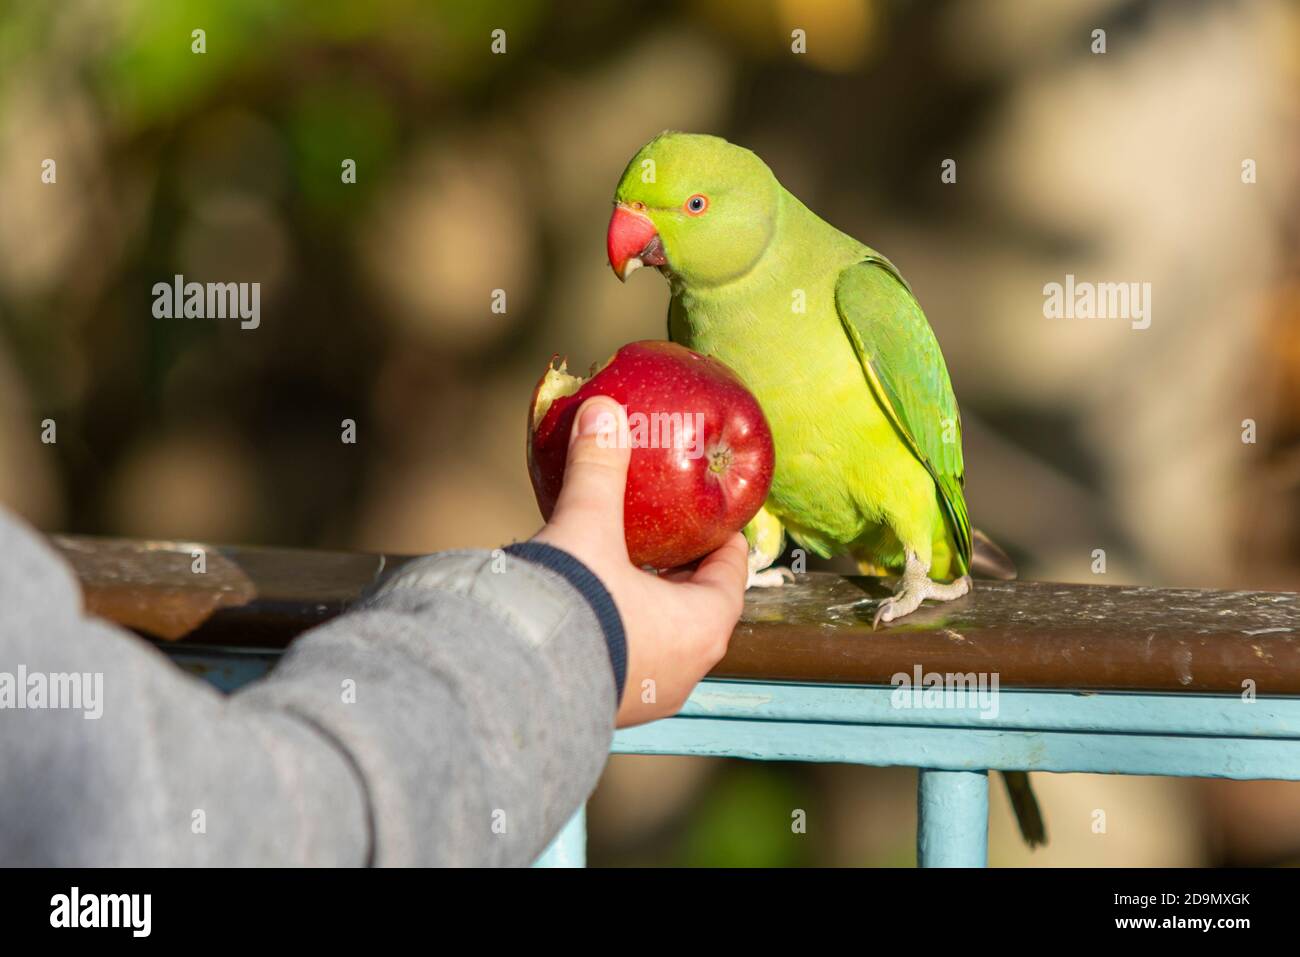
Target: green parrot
827,334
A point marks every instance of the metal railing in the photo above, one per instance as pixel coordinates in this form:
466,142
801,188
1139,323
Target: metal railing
1026,676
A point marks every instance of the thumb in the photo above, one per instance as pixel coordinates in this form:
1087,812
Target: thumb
595,475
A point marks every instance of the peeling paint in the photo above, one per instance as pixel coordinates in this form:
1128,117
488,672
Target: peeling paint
713,700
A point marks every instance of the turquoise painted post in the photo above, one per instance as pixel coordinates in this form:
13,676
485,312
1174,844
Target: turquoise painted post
952,818
569,849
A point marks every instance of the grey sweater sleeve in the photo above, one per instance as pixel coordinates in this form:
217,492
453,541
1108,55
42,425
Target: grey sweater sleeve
458,715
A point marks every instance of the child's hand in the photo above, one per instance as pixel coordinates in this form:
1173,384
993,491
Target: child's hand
677,628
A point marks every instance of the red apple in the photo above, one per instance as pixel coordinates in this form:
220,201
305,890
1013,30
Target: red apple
702,454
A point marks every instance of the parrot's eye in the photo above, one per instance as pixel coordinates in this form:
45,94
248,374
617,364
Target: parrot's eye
697,204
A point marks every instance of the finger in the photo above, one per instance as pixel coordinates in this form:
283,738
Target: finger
726,570
680,573
595,475
677,575
717,596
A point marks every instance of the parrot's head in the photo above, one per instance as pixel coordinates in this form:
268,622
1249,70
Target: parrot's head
701,209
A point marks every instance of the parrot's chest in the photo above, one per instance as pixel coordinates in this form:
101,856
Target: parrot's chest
838,458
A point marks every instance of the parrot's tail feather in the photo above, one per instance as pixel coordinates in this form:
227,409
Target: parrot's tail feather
988,560
1023,802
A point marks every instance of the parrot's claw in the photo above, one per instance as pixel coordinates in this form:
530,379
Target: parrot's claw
769,578
914,590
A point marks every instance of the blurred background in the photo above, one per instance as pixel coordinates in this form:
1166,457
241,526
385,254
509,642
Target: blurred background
479,171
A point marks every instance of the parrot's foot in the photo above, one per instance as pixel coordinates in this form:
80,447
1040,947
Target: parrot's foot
915,588
766,539
769,578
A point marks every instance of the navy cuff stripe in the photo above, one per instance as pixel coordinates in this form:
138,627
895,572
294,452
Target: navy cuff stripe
593,590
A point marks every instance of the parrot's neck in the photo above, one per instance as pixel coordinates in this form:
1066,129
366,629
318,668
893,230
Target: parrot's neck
793,278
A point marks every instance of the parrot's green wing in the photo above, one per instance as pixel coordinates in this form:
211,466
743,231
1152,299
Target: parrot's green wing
906,371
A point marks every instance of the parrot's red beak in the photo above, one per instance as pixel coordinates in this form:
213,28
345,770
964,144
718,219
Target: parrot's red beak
632,242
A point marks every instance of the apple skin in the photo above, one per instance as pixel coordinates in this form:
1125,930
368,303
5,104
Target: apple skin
687,494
